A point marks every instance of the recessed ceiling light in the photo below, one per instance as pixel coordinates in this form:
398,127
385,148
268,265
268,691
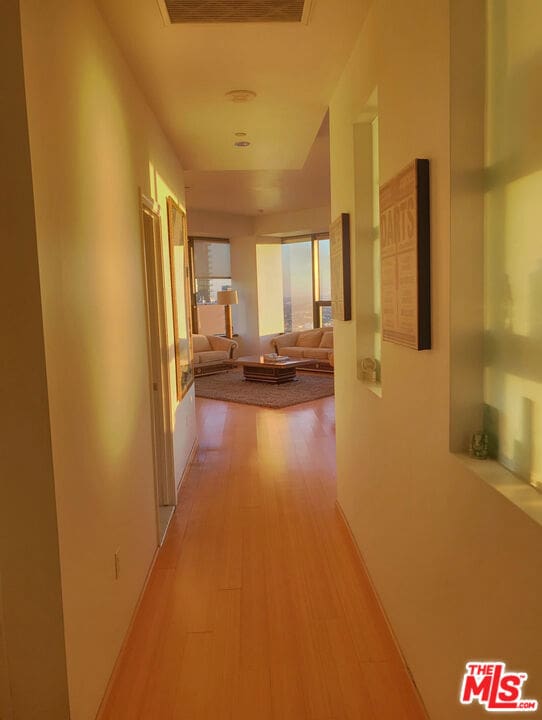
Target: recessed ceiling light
240,96
241,143
240,134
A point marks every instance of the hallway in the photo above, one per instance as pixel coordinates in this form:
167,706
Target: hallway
257,606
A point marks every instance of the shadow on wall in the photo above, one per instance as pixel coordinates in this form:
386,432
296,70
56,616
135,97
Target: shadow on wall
513,187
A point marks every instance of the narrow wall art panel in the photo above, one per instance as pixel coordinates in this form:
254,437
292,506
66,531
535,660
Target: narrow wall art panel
405,257
341,294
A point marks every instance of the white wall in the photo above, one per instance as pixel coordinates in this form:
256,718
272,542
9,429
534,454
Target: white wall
244,271
184,433
32,654
209,223
456,565
297,222
245,314
270,289
94,143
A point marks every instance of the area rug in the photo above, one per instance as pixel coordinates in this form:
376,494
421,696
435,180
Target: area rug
231,387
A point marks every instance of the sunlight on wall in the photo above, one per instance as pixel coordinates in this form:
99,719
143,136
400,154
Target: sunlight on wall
270,294
513,247
161,191
100,305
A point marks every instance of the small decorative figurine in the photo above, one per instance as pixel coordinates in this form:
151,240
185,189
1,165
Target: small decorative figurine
479,445
368,369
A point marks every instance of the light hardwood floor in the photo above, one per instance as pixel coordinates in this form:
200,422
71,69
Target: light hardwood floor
258,607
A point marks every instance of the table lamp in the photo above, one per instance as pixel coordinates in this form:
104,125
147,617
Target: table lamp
227,298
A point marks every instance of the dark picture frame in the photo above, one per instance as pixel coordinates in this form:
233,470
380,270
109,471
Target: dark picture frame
405,262
341,287
180,297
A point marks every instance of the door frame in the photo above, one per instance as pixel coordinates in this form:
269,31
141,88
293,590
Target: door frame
158,347
6,711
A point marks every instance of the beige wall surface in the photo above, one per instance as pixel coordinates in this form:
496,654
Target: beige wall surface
456,565
93,142
244,278
209,223
296,222
32,656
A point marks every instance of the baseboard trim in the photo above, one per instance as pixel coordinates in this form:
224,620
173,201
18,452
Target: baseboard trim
361,559
116,666
187,467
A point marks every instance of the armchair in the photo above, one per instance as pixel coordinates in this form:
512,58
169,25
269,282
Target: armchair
212,353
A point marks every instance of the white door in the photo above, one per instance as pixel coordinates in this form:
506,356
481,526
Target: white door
158,366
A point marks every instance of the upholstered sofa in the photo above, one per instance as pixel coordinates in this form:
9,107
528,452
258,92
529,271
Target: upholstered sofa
316,345
212,353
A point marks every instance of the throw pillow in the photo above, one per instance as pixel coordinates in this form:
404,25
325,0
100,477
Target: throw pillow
200,343
327,339
309,338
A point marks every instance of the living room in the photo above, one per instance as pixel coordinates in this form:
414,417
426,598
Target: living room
279,283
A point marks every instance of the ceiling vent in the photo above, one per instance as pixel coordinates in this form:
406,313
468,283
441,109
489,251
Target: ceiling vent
235,11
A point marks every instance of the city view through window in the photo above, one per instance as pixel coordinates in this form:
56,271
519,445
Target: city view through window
301,262
324,268
207,289
297,286
306,279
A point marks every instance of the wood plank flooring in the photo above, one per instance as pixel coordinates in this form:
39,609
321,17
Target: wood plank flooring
258,607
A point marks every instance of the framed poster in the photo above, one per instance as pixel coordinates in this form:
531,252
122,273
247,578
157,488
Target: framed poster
405,258
178,262
341,293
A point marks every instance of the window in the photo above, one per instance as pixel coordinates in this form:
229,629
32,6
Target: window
322,282
211,272
306,278
297,285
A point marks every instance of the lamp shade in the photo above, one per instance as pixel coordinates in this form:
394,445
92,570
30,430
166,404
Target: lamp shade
227,297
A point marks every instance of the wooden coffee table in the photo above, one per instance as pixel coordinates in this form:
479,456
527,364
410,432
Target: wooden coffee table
256,369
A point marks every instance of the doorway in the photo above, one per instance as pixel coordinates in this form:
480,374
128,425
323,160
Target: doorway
159,385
